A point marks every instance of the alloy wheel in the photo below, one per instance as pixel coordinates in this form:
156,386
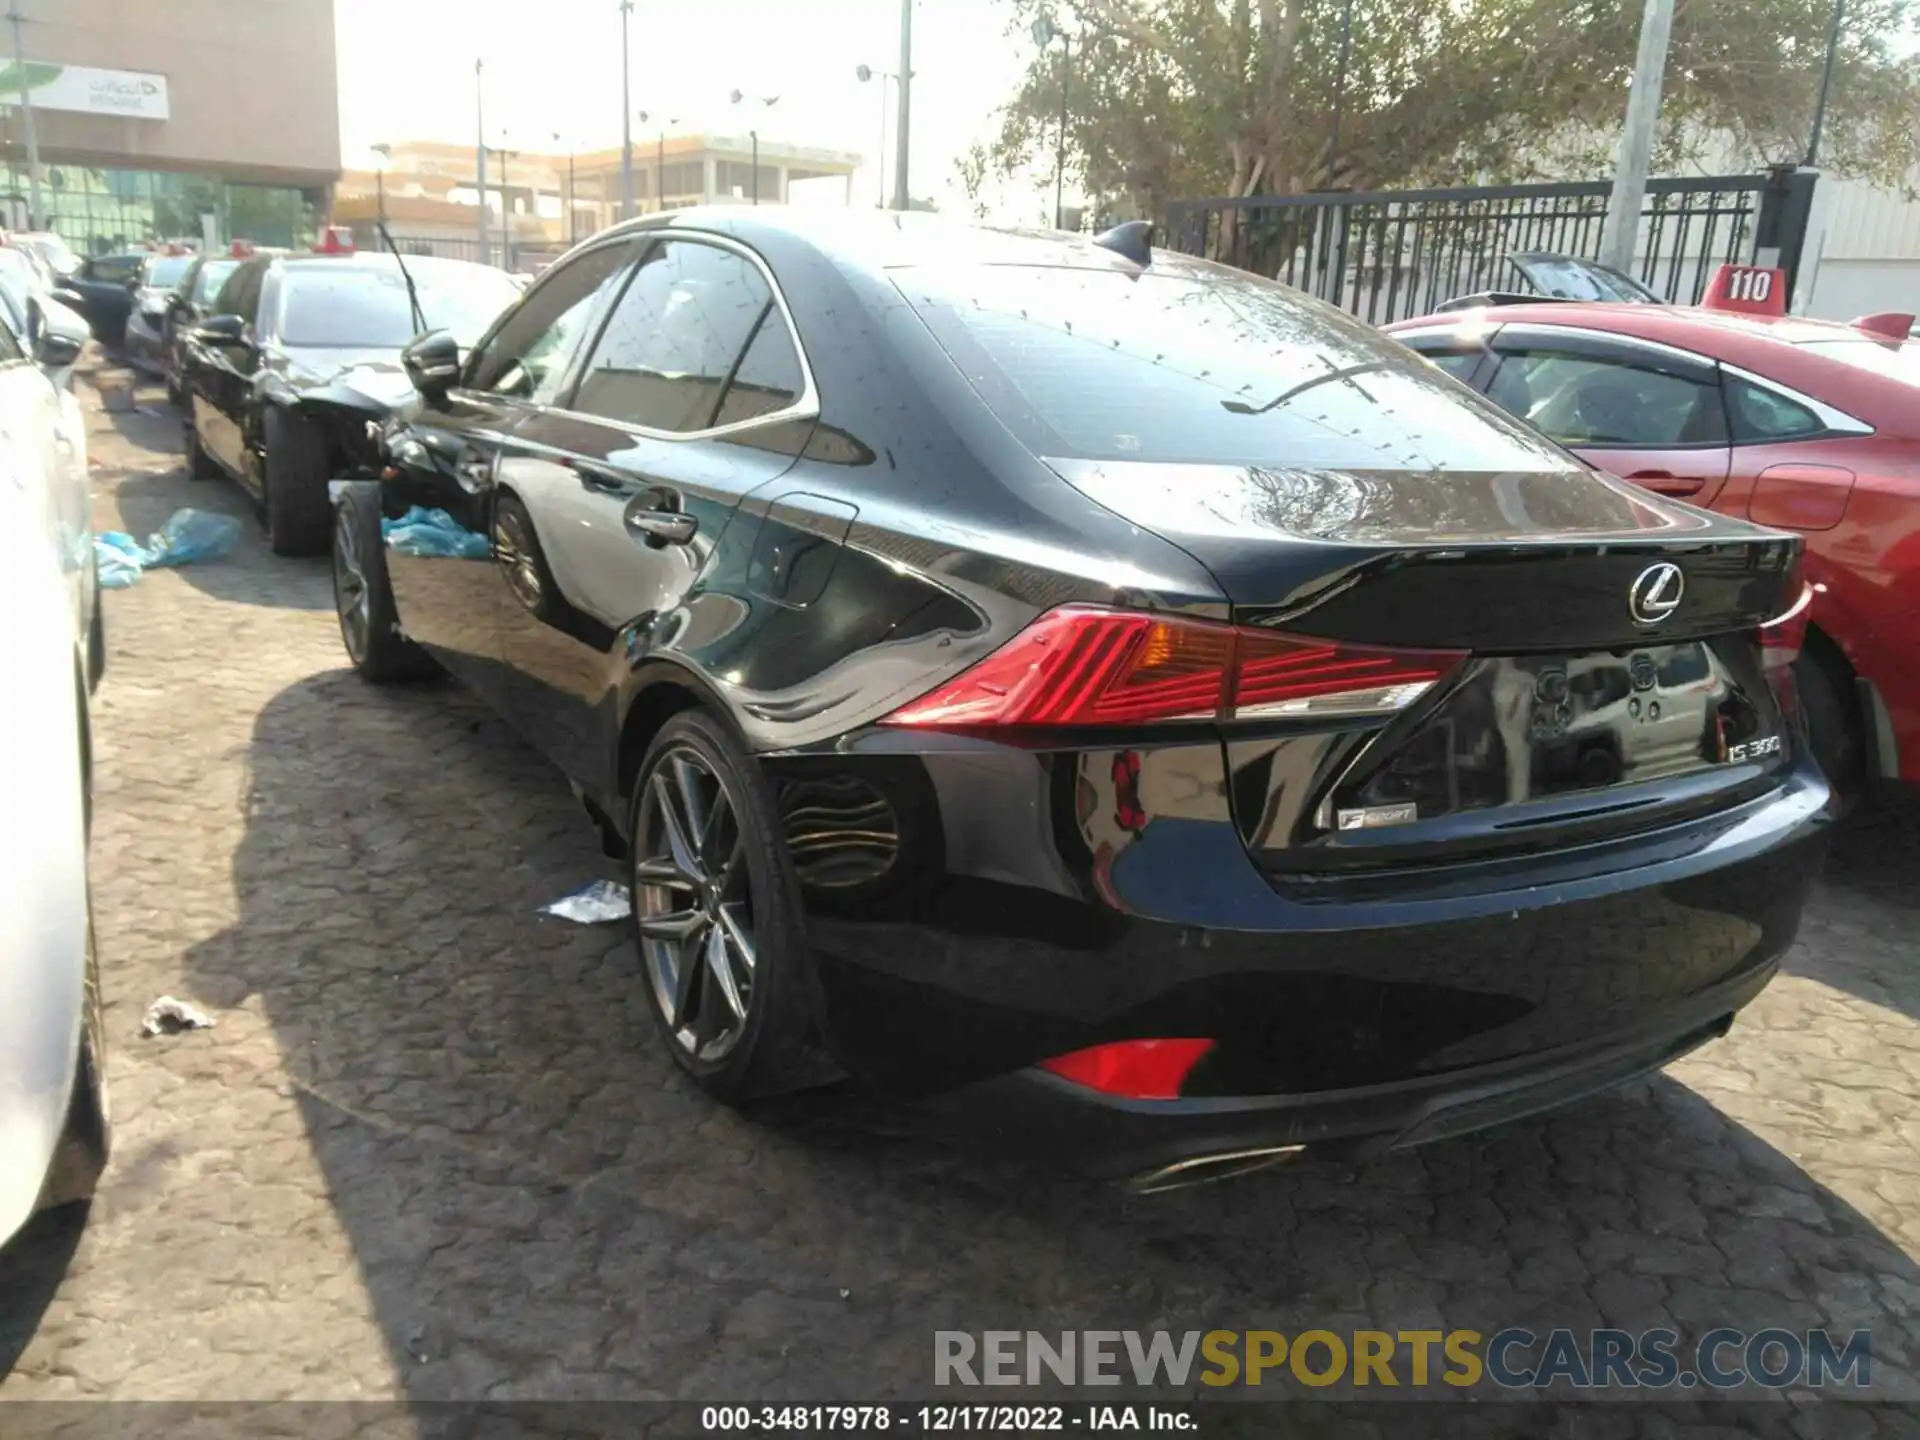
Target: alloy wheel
514,547
693,903
351,595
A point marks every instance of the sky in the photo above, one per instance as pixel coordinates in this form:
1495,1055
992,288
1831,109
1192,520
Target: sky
406,73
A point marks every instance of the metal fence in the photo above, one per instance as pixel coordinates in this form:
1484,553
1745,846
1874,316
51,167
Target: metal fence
1387,255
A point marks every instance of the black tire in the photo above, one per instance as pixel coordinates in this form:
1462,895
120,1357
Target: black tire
96,641
88,1135
363,595
297,470
1835,732
200,465
775,1048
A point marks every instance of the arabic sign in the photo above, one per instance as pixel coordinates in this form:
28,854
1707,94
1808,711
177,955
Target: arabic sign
95,92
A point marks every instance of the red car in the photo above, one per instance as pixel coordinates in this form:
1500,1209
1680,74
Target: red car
1804,425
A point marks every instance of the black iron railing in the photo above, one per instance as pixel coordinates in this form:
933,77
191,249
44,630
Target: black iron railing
1390,254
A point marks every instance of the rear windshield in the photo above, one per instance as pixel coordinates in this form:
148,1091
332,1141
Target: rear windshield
212,276
167,271
349,306
1896,362
1204,368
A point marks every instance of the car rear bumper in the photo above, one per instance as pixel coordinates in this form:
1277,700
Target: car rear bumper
1160,1143
1009,941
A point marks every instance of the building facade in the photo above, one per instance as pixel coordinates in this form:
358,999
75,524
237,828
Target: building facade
539,200
173,119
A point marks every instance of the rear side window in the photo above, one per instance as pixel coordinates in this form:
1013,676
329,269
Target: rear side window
1582,400
241,294
1758,415
212,276
1202,368
675,337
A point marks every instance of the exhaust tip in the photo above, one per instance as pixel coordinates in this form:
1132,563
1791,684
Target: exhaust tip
1205,1169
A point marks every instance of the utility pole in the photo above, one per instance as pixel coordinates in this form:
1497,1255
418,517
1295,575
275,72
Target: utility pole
626,115
900,199
1622,230
1819,107
37,217
480,153
1060,150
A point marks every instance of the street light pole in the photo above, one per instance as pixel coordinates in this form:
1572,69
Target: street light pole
1820,105
556,145
754,184
480,147
385,152
904,78
1060,150
1622,228
36,218
626,116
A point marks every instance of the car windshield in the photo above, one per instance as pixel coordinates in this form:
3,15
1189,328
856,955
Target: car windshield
1567,278
212,276
1895,361
340,305
1204,368
166,271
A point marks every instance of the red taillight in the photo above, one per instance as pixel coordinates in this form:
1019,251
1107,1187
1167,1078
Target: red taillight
1132,1069
1079,665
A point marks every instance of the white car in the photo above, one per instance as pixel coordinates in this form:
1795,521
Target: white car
27,304
53,1114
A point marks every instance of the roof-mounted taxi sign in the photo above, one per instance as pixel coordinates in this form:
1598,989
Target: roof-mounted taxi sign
335,240
241,250
1747,290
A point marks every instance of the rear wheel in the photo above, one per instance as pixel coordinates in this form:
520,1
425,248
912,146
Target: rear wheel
297,472
84,1142
363,597
1835,732
718,920
200,465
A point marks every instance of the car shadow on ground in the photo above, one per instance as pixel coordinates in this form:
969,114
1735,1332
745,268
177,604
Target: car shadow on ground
541,1207
32,1265
147,498
1859,936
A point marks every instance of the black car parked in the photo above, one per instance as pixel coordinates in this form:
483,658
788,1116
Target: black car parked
300,352
153,288
1102,678
101,288
187,306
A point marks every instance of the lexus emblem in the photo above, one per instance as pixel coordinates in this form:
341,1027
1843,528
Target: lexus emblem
1656,593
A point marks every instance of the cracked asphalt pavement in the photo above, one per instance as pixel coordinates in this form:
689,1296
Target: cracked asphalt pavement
433,1150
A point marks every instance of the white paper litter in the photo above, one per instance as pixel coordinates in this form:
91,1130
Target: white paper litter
593,904
167,1016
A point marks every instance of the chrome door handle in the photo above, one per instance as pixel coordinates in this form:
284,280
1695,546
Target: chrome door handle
661,527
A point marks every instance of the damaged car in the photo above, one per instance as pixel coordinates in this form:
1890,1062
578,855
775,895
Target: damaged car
298,353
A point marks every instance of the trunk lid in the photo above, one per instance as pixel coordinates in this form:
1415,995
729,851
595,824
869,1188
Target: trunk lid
1519,562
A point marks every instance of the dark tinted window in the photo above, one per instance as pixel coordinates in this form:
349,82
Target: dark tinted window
769,377
1203,368
1455,363
212,276
1760,415
114,269
674,336
163,272
1582,400
350,306
241,294
528,355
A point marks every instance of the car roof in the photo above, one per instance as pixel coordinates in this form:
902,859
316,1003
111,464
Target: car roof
891,239
1711,331
376,260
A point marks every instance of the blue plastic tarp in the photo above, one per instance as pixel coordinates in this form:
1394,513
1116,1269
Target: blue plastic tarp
433,532
188,537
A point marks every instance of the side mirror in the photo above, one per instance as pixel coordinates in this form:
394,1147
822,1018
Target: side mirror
432,363
53,351
220,330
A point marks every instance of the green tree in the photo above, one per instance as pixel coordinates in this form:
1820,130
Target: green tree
1172,98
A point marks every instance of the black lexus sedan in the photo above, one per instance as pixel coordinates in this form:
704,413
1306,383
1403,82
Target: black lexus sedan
1111,684
299,352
